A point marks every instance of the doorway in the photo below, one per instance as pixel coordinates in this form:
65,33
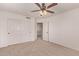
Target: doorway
39,31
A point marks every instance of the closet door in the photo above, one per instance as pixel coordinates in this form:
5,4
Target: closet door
51,31
3,31
20,31
14,31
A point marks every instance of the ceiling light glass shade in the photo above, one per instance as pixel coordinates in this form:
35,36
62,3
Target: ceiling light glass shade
43,12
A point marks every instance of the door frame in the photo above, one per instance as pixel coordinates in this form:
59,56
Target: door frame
45,33
36,29
41,32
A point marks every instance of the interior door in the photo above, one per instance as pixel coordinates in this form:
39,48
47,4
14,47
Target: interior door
19,31
16,31
12,30
46,31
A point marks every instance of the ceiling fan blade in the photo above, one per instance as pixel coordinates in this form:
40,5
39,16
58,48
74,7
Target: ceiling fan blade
50,11
53,4
35,10
38,5
43,4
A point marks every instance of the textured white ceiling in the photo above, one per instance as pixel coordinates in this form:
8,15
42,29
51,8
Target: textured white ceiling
26,8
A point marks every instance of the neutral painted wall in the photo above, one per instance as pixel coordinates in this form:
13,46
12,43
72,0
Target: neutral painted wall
20,29
64,29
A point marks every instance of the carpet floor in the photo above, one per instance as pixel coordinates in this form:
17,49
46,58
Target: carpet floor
37,48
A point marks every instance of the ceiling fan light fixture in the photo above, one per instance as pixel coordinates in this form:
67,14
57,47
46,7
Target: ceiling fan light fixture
45,12
44,9
42,13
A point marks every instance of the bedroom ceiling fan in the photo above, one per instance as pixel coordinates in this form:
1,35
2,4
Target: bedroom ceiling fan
44,9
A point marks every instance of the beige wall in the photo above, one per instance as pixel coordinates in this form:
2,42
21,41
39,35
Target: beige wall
20,29
64,29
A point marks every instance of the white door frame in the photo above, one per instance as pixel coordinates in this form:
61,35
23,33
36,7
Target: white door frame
36,29
45,30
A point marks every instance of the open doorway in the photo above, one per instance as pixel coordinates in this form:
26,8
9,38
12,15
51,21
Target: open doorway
39,31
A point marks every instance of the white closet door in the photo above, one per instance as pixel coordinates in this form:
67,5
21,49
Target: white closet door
19,31
3,31
46,31
11,31
51,31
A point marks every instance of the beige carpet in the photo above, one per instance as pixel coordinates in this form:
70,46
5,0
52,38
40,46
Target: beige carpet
37,48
